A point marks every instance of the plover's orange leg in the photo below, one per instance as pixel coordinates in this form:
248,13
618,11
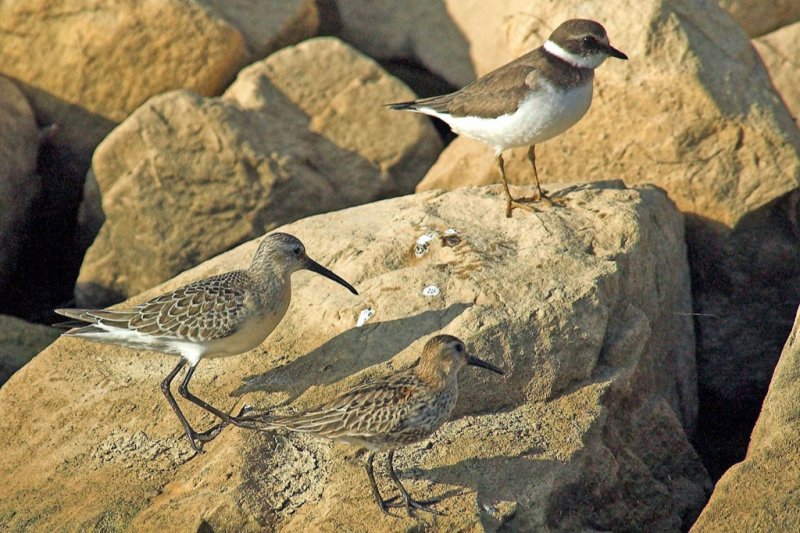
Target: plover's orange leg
511,202
540,195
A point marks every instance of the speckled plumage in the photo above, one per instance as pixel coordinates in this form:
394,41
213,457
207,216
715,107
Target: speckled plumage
383,415
219,316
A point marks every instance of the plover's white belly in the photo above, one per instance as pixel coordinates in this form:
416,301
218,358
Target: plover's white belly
541,116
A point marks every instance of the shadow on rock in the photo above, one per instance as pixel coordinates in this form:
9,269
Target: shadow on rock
335,360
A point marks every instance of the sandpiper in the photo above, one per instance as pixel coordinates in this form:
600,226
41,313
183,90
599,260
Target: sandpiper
528,101
222,315
384,415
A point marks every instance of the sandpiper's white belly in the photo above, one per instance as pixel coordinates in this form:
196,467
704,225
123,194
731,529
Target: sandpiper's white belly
544,114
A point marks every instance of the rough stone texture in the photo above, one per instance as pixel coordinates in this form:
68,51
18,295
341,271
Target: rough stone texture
780,52
586,307
693,102
760,493
693,111
19,342
19,184
269,25
421,30
112,56
185,178
758,17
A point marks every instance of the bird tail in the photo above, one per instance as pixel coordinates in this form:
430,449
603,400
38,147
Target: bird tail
401,106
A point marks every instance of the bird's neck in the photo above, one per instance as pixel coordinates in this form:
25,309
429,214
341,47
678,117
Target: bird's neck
435,377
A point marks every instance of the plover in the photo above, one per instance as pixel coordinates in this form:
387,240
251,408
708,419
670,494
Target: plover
529,100
384,415
219,316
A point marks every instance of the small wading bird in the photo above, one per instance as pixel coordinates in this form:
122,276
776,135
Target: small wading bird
384,415
528,101
218,316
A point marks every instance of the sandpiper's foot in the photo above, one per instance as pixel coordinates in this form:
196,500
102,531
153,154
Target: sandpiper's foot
412,505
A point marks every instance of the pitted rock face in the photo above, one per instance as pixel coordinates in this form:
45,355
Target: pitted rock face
585,307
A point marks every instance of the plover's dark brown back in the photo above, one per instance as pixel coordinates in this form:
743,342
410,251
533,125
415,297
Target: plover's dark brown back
529,100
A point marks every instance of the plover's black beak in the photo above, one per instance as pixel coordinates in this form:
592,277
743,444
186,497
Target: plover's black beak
474,361
313,266
610,50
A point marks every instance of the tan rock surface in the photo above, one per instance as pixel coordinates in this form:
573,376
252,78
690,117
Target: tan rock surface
780,52
416,29
19,342
269,25
112,56
302,132
585,307
758,17
693,109
760,493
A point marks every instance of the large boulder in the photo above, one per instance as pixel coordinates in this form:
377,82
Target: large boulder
585,307
112,56
269,25
779,51
20,341
420,30
694,112
186,177
671,107
760,493
758,17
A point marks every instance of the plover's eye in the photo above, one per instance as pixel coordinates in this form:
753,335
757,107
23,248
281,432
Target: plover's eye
589,41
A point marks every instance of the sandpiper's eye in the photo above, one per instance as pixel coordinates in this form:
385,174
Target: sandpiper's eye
459,348
297,251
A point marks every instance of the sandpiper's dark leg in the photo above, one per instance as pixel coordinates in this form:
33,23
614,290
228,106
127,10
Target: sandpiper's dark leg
511,202
374,486
165,388
186,393
410,503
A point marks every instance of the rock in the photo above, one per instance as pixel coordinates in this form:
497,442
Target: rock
112,57
692,111
420,30
778,51
268,26
668,108
19,342
19,184
759,494
758,17
302,132
585,307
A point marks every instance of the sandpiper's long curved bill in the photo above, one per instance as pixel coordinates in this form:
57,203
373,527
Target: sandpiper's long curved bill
474,361
313,266
610,50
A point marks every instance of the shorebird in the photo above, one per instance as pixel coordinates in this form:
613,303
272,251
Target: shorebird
384,415
219,316
529,100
